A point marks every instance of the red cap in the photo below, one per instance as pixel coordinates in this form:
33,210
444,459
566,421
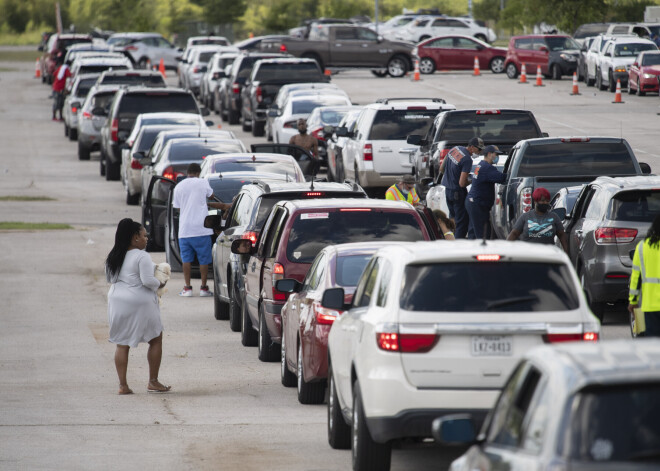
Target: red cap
540,194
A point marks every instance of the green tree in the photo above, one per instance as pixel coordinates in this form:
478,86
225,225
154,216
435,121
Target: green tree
15,14
219,12
567,15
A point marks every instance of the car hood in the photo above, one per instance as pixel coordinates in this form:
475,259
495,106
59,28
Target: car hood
400,43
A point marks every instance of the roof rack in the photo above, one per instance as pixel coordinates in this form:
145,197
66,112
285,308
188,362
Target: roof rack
385,101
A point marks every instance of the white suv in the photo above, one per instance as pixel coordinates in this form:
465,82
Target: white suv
377,154
427,27
432,330
616,58
147,49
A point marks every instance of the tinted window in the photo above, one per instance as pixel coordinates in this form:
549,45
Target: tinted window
307,106
651,59
445,287
145,140
494,128
313,231
199,151
390,125
576,158
134,79
84,86
270,72
332,117
616,423
523,43
629,50
204,57
638,206
278,168
561,44
590,30
102,100
95,69
349,268
134,104
226,188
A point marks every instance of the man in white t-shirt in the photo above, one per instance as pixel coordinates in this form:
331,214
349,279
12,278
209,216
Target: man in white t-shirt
191,198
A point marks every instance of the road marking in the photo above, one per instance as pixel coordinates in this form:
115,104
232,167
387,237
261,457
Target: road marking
558,123
645,152
468,97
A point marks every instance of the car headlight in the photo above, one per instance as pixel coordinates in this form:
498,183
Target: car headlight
568,57
649,76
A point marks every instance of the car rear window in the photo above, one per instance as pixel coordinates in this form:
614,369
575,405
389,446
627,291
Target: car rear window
492,128
633,49
97,69
204,57
284,72
396,125
332,117
182,120
307,106
638,206
561,44
178,153
134,79
473,287
349,268
262,166
590,30
576,158
84,86
267,202
616,423
226,188
102,100
312,231
134,104
145,140
64,44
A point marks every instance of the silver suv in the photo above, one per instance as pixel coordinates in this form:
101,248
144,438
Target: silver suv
147,49
610,216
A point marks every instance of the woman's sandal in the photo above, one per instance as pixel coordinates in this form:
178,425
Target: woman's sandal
160,388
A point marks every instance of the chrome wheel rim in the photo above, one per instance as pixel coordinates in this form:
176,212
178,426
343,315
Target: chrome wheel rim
497,65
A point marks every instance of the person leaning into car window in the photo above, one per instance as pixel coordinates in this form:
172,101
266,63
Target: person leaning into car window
539,225
307,142
482,193
446,225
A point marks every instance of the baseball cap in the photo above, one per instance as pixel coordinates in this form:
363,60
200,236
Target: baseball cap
541,193
491,148
477,142
409,179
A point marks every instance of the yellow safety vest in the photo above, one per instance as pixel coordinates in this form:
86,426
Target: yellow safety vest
394,194
645,277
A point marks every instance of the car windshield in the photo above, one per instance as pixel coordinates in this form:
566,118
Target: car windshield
638,206
133,79
590,30
561,44
284,72
200,151
135,104
615,423
396,125
307,106
226,188
576,158
451,287
349,268
204,57
311,232
261,166
505,127
651,59
632,49
182,120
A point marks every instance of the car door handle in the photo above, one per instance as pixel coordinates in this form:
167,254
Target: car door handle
338,45
365,45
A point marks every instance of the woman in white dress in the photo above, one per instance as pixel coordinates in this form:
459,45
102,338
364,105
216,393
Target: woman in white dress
133,311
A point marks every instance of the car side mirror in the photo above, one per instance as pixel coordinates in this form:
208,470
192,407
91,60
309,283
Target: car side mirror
242,247
99,111
341,131
219,75
209,122
40,49
288,285
561,213
213,221
646,168
205,68
480,48
456,429
414,139
545,134
333,298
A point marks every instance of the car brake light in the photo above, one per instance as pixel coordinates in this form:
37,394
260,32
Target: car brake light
114,129
614,235
313,194
576,139
278,274
135,165
325,316
251,236
488,257
489,112
318,134
525,200
418,108
406,343
368,153
617,276
130,48
236,88
258,92
74,109
87,115
170,173
354,210
558,338
283,48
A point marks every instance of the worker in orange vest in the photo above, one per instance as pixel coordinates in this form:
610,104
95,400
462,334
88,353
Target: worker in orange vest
403,191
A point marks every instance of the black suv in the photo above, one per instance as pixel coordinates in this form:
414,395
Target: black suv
126,105
245,220
266,79
240,71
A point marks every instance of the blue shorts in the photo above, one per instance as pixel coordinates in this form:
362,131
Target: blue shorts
189,246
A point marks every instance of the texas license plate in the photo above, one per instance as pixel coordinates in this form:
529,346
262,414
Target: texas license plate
492,345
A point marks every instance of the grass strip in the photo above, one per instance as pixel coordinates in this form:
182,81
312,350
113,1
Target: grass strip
19,56
32,226
26,198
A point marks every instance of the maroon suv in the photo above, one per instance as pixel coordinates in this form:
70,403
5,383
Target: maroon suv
56,48
295,232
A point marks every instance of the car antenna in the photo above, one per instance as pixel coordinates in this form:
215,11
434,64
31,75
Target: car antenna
483,241
312,186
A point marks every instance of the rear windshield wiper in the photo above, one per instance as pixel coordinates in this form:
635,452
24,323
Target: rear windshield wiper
507,301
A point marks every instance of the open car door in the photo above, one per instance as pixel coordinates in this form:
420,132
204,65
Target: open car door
154,214
303,157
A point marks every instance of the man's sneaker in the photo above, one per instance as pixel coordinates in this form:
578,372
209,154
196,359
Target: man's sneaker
205,292
187,292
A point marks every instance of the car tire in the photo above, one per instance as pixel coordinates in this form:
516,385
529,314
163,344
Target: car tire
246,127
83,151
630,89
366,454
248,334
588,80
611,83
511,70
233,116
258,128
580,74
555,72
220,308
102,164
267,349
288,378
339,169
379,72
132,200
397,66
234,308
112,171
339,432
599,81
308,393
639,88
426,65
497,65
73,134
66,130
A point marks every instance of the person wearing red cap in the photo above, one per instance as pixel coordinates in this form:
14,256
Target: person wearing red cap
540,225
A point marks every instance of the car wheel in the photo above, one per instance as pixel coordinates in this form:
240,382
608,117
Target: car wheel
426,65
639,88
588,80
258,128
234,308
233,116
397,66
497,65
66,130
611,83
365,452
73,134
112,171
268,350
555,72
246,127
102,164
599,80
629,88
597,308
83,151
511,70
379,72
220,308
339,432
248,334
288,378
143,63
132,200
308,393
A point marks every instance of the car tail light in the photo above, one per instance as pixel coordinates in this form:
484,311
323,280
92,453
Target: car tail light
418,108
130,48
170,173
313,194
74,109
406,343
489,112
576,139
236,88
283,48
525,200
368,153
251,236
290,124
323,315
582,337
135,165
114,129
614,235
617,276
259,94
443,153
488,258
278,274
87,115
318,134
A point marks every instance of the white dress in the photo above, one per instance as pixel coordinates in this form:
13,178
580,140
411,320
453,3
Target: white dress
133,311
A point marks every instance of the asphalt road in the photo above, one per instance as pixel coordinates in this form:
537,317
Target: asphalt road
59,408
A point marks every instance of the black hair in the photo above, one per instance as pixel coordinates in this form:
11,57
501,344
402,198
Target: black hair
654,232
126,229
194,169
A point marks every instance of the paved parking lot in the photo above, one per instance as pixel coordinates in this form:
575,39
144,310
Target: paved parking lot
228,410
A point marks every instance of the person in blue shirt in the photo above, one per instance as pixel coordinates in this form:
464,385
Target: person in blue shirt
456,168
482,193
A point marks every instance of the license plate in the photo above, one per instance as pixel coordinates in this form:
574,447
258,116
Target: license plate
492,345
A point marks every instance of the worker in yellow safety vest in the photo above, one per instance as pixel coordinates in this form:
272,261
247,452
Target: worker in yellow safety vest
403,191
645,280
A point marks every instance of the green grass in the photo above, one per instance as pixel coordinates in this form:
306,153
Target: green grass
23,39
20,56
32,226
26,198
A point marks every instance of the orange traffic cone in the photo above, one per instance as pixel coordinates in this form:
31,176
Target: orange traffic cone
416,73
539,77
617,95
37,70
575,85
523,74
476,67
161,68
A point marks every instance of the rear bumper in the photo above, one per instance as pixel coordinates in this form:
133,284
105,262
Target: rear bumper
623,76
604,289
649,84
372,178
133,181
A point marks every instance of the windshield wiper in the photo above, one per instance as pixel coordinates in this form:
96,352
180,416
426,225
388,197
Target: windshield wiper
650,455
507,301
